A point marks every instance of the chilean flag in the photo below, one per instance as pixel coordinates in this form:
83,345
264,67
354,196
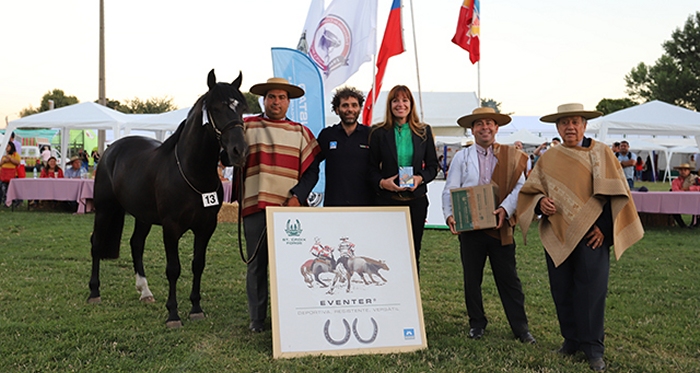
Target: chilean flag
392,45
468,29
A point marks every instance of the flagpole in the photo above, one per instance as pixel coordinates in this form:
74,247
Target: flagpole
415,51
478,82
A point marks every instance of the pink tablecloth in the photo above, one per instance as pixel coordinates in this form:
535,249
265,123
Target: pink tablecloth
667,202
227,190
79,190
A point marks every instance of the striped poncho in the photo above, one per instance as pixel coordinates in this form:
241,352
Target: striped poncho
280,152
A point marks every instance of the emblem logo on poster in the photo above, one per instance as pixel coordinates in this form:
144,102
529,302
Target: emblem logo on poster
293,229
409,333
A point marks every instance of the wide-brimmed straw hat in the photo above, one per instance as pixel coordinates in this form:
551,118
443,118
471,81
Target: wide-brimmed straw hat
683,166
74,158
277,83
570,110
481,113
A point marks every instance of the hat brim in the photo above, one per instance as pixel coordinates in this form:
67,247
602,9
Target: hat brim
467,120
262,88
682,168
552,118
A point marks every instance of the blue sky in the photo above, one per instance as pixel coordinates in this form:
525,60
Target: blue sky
535,54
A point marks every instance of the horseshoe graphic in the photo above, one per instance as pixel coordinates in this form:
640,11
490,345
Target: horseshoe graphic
330,340
357,335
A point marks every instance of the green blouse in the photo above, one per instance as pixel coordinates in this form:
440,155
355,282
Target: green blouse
404,144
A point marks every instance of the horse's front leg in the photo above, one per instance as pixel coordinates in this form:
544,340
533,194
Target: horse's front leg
95,281
172,272
138,242
201,240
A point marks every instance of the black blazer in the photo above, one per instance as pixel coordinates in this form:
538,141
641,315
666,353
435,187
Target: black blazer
383,160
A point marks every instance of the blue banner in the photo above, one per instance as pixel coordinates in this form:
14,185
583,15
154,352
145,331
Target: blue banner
308,109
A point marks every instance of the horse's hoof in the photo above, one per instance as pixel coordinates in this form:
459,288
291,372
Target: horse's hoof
176,324
197,316
95,300
148,299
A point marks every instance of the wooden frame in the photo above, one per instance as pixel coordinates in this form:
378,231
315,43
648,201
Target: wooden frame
381,313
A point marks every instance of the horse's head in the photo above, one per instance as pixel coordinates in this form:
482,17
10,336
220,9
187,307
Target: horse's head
225,105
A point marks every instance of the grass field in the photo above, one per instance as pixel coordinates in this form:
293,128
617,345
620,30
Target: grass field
46,325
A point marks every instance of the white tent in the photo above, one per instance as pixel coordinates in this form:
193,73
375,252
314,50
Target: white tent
158,123
82,116
523,135
652,118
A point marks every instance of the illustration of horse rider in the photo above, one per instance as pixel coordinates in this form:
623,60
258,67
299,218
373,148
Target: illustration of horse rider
346,248
320,251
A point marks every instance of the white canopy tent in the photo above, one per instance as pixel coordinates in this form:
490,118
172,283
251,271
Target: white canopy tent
82,116
523,135
158,123
652,118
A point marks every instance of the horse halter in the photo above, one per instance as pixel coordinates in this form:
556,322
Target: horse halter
207,118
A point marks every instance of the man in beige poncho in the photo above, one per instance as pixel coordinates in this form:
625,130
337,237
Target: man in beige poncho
582,194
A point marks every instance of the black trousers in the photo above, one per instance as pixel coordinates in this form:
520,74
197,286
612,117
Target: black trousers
418,210
579,287
474,247
256,277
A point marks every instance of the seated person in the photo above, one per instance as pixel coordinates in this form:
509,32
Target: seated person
52,170
685,182
75,169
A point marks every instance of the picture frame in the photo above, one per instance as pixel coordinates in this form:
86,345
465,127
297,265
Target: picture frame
316,309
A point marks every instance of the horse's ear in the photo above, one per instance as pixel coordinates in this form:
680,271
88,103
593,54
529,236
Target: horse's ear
237,83
211,79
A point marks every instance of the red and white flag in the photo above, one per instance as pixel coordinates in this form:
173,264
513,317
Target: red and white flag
392,45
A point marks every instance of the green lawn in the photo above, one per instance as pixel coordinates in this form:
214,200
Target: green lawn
652,320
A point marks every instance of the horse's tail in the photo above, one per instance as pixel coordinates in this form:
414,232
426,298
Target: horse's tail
109,222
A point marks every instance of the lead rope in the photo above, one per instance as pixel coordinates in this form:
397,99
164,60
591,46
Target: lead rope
240,220
177,160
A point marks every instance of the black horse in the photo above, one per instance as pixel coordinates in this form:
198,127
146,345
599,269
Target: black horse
174,184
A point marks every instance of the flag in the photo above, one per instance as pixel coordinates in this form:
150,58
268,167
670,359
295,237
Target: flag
308,109
312,18
343,39
468,29
392,45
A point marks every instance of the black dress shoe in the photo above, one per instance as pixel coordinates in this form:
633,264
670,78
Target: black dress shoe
256,326
597,364
527,338
476,333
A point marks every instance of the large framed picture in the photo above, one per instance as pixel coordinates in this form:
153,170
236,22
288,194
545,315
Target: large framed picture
343,281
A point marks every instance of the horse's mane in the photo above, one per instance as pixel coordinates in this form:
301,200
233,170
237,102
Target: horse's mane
170,142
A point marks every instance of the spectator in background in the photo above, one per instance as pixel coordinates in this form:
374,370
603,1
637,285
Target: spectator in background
693,165
638,168
52,170
45,154
683,183
627,160
615,147
18,144
8,168
75,169
85,162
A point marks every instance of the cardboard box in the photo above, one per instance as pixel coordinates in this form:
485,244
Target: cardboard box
472,207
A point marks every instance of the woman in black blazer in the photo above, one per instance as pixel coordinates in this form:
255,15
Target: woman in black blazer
403,141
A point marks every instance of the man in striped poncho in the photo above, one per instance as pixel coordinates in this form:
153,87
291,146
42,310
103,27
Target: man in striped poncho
278,173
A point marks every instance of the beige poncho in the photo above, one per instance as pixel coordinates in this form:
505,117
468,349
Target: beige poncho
578,180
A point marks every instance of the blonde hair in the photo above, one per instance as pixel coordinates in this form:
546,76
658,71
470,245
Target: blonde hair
414,122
